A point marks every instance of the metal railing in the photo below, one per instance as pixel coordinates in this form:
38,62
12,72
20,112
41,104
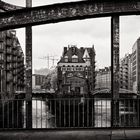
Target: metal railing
68,113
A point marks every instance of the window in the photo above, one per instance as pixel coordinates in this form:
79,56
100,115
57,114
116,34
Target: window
74,58
1,46
66,58
1,56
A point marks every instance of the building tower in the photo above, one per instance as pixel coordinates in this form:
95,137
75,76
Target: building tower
76,70
136,66
126,72
11,64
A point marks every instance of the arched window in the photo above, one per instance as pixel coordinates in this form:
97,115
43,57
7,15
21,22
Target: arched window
66,58
74,58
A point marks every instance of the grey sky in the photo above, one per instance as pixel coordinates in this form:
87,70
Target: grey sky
50,38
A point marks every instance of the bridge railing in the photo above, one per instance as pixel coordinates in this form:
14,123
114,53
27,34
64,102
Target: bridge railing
68,113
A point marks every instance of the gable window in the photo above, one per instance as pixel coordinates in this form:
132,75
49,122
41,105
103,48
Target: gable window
66,58
74,58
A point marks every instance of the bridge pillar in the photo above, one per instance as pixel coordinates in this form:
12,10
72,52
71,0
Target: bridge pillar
28,72
115,70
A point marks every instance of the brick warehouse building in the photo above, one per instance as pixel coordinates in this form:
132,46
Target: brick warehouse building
11,64
76,70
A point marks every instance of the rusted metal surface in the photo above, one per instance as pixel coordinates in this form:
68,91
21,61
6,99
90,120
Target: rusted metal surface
115,48
28,62
9,7
29,71
115,69
67,11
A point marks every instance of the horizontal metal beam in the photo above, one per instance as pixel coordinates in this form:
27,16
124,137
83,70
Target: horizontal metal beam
67,11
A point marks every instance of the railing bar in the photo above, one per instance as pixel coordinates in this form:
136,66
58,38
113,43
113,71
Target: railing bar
97,111
138,111
55,111
64,113
110,106
83,114
8,114
36,112
22,105
124,112
25,114
123,117
92,112
101,112
133,110
17,114
3,116
78,114
51,112
41,112
69,114
130,112
73,112
88,112
120,104
47,112
13,114
106,112
60,114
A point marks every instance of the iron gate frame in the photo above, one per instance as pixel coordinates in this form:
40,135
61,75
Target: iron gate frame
72,11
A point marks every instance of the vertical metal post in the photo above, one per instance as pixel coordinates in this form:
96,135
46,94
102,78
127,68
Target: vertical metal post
115,70
28,72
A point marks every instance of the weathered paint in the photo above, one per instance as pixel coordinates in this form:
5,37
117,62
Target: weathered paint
67,11
115,69
115,48
28,62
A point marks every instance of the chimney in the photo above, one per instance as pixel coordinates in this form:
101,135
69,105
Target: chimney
65,50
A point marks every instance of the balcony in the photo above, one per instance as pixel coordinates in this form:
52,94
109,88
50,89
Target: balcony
9,59
9,51
1,50
9,34
9,43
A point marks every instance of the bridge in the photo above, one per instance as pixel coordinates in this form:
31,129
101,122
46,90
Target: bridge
17,17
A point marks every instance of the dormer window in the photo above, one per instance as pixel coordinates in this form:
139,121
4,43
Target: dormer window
66,58
74,58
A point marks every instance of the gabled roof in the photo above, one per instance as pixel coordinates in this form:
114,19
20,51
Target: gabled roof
86,54
74,52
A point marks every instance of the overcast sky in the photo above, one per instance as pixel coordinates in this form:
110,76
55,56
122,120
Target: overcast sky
51,38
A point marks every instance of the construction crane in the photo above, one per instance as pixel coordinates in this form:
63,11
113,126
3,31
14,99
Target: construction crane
49,58
53,60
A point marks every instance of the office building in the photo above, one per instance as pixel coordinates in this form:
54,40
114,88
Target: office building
11,64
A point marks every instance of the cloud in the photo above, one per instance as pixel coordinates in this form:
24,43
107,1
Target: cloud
37,2
129,32
51,38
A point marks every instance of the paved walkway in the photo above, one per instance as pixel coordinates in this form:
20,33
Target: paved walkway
96,134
